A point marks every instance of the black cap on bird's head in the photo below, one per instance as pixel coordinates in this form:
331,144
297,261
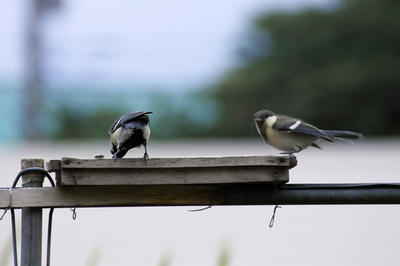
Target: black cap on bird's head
261,115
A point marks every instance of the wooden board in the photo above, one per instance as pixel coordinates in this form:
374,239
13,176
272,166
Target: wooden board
186,162
182,195
5,198
106,196
172,171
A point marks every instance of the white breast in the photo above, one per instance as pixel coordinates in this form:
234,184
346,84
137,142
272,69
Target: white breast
115,136
146,132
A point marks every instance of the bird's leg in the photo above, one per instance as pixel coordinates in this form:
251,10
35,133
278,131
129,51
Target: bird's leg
145,156
290,153
287,152
121,151
114,156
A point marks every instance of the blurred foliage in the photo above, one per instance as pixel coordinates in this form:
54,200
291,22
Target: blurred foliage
337,68
75,124
174,114
165,260
94,257
224,255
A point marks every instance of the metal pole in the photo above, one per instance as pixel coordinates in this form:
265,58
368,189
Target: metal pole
310,194
33,74
31,232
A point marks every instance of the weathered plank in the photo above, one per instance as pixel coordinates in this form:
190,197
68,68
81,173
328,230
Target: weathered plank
31,218
173,171
186,162
103,196
175,176
181,195
5,198
53,165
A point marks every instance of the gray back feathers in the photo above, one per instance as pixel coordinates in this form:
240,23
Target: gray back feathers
125,119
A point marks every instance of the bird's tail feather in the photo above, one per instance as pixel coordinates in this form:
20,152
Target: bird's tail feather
343,134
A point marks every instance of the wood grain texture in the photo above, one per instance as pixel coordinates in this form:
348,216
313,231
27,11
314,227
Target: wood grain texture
5,198
186,162
174,171
53,165
184,195
107,196
31,218
173,176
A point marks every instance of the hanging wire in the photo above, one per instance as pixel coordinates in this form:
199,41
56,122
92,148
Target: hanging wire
73,213
210,201
74,208
271,222
4,213
201,209
14,234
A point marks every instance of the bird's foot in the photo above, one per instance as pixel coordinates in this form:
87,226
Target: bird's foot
145,156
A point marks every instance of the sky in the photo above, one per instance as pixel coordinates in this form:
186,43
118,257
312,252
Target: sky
173,44
99,47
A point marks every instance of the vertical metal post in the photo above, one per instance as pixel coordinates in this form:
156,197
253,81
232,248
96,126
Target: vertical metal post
31,229
34,63
32,96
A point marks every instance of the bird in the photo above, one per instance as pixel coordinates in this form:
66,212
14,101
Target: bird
130,131
291,135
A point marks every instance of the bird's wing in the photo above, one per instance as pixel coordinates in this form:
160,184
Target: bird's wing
293,125
126,118
115,126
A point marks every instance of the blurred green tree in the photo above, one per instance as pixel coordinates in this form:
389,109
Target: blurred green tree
173,117
337,68
76,124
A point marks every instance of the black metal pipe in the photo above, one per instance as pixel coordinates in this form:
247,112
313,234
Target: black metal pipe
304,194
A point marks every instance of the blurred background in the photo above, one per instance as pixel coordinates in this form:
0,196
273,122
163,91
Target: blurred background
68,69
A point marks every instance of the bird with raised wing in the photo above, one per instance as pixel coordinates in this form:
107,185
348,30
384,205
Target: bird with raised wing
130,131
292,135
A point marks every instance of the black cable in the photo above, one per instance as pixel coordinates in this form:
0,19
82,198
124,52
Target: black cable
14,235
49,236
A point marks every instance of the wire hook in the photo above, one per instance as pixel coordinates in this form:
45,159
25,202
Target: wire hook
73,213
202,209
210,201
271,222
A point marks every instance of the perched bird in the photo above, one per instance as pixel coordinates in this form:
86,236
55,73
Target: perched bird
130,131
293,135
